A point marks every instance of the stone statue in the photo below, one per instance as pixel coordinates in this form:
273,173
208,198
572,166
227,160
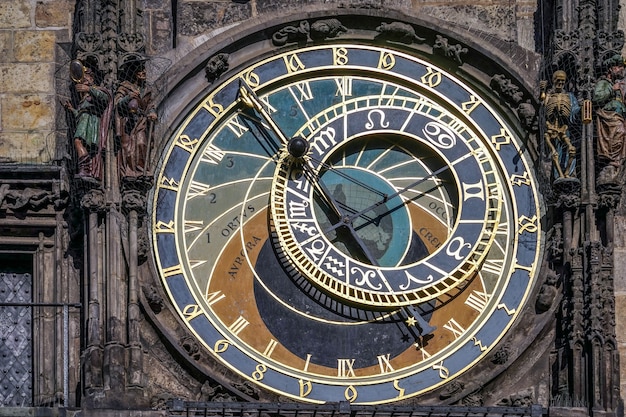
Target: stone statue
398,32
326,28
442,47
608,98
561,109
134,121
92,115
216,66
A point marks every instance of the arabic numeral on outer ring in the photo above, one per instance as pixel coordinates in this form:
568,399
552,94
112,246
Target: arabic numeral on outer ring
259,374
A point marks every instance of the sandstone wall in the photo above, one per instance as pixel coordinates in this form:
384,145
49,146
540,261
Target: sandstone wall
29,33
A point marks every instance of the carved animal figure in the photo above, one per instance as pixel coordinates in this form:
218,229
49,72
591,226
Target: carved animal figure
398,32
327,28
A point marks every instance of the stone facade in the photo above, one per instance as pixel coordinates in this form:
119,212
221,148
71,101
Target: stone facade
89,243
29,37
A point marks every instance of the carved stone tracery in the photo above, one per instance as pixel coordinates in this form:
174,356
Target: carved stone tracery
585,341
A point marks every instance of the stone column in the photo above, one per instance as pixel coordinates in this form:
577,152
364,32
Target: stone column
93,203
134,204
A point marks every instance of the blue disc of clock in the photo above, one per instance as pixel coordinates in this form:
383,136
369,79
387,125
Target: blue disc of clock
330,328
385,229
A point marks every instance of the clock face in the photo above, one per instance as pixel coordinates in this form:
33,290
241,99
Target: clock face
346,223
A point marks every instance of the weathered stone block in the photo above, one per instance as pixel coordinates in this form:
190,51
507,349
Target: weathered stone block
619,259
161,29
14,14
198,17
266,6
154,4
23,147
620,322
6,46
27,78
55,13
34,46
568,412
27,112
495,19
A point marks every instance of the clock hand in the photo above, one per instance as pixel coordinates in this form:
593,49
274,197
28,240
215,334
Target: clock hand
414,319
296,146
399,192
249,99
268,142
340,173
330,200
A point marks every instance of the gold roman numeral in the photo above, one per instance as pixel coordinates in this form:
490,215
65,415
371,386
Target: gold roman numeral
237,127
477,300
197,189
238,325
212,155
344,86
385,364
214,297
269,349
454,327
303,91
193,225
345,368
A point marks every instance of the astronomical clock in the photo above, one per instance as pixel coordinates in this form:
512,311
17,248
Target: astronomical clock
345,220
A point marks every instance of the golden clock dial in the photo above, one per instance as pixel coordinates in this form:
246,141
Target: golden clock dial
346,223
349,213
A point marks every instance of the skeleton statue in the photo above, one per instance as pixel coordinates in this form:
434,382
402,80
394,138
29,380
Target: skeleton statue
561,109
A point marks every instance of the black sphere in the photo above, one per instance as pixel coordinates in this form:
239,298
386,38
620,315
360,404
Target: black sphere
297,147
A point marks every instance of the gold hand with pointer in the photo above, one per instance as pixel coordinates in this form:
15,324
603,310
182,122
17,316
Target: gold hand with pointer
340,214
298,147
250,100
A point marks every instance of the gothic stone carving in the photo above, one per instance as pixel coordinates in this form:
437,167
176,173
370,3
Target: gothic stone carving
30,198
398,32
153,298
216,66
318,30
442,47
